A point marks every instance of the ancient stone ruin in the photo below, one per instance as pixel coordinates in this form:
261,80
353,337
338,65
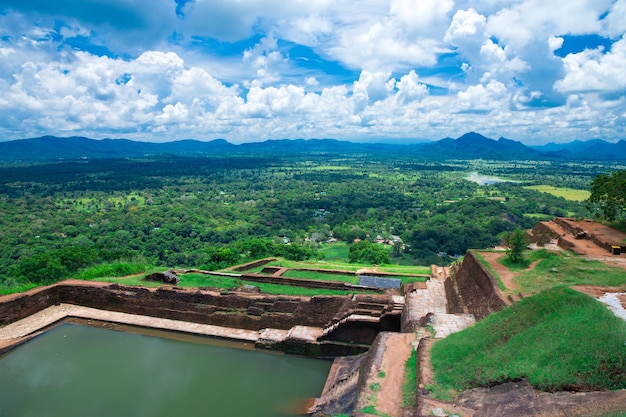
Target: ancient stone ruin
167,277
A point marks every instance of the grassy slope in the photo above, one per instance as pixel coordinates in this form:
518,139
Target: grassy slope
559,339
564,269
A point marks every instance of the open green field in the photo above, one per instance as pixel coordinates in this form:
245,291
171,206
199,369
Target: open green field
335,252
91,203
567,193
559,339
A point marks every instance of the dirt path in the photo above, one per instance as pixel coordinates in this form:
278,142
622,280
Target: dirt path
505,274
397,351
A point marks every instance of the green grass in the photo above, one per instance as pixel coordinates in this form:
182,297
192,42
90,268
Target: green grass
621,226
559,339
340,266
336,252
102,272
404,269
566,193
539,216
115,269
565,268
409,386
320,276
301,291
12,288
319,265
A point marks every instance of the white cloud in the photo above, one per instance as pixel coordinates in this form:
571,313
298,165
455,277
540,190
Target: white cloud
595,71
410,89
526,21
265,60
311,68
420,16
466,25
616,19
484,98
555,42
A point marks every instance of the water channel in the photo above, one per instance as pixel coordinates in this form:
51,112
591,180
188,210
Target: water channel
78,370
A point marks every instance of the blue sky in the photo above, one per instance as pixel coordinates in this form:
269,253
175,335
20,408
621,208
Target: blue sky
367,70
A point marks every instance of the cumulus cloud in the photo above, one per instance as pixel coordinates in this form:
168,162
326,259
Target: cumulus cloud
265,60
258,69
409,88
524,21
595,70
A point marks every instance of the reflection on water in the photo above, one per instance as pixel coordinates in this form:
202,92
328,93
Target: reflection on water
76,370
484,179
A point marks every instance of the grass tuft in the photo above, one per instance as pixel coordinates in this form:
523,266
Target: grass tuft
115,269
409,386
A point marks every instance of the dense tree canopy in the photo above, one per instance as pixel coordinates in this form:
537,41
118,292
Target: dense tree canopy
212,213
608,193
366,252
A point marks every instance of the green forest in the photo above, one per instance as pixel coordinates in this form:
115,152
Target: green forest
203,212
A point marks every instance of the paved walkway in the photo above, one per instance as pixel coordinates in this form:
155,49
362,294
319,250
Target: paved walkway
446,324
41,320
432,300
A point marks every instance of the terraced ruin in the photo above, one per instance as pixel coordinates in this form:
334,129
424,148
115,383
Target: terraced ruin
371,332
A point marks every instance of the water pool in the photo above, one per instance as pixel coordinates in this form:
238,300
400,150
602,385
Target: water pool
78,370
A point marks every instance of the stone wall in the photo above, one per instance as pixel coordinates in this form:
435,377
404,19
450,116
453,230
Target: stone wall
542,234
472,289
15,307
571,226
245,311
566,224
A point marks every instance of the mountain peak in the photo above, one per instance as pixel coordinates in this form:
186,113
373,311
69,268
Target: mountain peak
473,137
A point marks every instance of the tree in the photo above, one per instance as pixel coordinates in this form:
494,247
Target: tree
368,253
608,193
516,241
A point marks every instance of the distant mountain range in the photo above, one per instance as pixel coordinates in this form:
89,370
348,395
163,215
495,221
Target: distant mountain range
469,146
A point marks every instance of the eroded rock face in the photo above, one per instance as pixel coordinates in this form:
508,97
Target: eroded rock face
472,289
519,399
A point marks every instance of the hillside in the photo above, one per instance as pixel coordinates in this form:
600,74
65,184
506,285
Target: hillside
559,339
468,146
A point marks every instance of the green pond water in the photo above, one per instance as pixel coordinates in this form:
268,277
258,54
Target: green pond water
77,370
